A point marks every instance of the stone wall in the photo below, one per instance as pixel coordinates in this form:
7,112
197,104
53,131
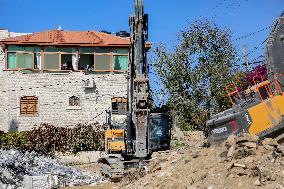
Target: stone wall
53,91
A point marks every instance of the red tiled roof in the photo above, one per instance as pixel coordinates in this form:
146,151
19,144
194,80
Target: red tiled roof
57,37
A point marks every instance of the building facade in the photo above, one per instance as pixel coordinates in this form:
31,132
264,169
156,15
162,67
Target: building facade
61,78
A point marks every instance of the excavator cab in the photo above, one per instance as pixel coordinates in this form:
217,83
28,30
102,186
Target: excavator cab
158,129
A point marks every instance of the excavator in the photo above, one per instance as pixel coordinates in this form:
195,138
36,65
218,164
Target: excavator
133,132
258,110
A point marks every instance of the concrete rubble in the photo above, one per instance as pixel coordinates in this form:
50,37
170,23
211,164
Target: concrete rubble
16,165
244,162
239,162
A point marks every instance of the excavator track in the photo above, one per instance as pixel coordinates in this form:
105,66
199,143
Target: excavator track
116,168
280,139
113,168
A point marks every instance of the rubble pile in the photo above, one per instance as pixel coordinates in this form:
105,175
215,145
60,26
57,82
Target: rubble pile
240,162
262,160
15,164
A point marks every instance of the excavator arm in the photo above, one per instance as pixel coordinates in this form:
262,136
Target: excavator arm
139,83
132,143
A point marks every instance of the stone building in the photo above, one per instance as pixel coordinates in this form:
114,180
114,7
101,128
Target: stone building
61,77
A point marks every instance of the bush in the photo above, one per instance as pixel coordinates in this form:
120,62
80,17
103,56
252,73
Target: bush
49,139
16,140
87,137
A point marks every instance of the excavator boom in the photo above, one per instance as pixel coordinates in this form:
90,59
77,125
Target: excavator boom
139,83
132,143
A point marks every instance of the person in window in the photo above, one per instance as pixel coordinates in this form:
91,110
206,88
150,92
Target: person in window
67,66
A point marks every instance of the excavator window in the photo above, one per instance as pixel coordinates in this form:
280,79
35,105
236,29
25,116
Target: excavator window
263,92
235,98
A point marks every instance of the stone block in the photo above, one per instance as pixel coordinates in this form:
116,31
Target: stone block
47,181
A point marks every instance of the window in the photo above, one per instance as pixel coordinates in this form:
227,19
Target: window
111,59
54,58
12,60
51,61
69,59
29,106
86,62
120,59
60,58
20,60
66,62
86,58
74,101
264,94
24,60
22,57
102,63
120,62
119,105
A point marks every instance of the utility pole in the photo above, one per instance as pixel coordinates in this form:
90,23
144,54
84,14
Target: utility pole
245,58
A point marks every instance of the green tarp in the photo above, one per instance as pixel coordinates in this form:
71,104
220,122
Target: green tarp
24,60
120,62
12,60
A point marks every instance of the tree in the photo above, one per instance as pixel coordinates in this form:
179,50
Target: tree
257,75
196,72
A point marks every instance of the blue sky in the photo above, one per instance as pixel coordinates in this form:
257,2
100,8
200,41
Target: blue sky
166,17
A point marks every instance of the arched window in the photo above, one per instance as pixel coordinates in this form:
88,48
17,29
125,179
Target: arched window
74,101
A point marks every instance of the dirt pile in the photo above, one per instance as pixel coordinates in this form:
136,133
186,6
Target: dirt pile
240,162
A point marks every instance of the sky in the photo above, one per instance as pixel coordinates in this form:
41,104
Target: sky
166,18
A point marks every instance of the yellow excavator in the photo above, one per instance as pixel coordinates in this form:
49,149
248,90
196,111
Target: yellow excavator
258,110
133,132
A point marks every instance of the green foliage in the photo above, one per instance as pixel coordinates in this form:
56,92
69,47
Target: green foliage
14,140
175,144
186,126
49,139
196,73
240,80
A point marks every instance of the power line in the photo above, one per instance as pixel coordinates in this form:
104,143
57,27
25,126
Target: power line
230,7
219,4
255,59
253,33
257,62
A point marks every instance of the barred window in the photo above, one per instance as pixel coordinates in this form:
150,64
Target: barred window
29,105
